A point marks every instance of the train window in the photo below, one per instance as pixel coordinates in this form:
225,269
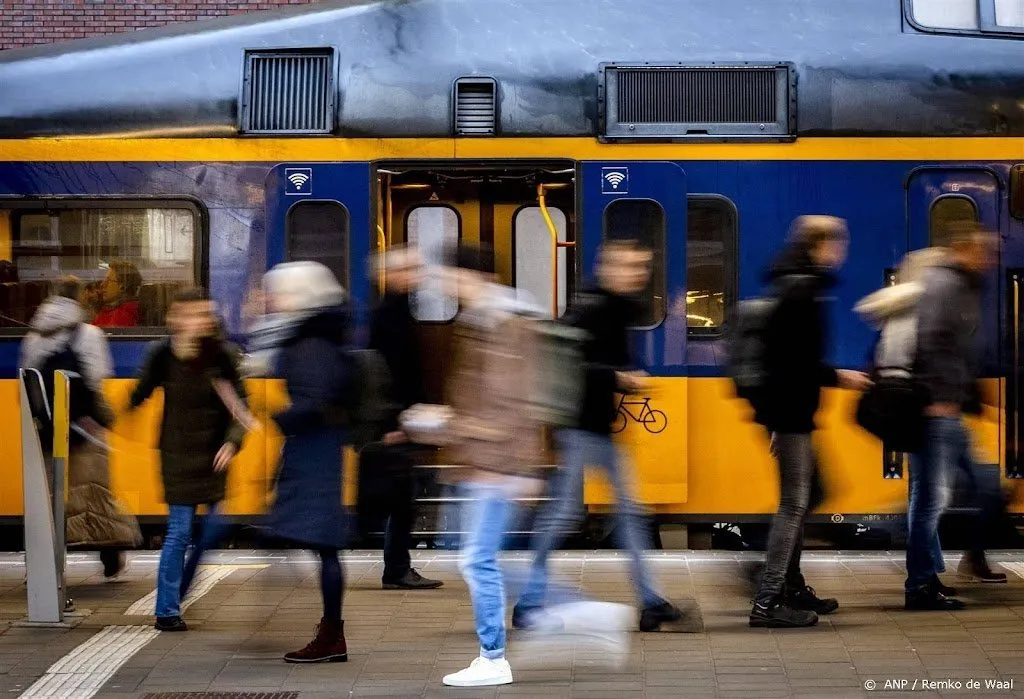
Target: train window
711,231
130,258
318,232
643,219
531,251
983,15
948,210
433,228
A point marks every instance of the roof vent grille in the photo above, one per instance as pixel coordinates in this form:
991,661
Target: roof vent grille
288,92
686,101
476,107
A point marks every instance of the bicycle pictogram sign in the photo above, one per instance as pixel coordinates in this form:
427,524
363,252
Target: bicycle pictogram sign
639,410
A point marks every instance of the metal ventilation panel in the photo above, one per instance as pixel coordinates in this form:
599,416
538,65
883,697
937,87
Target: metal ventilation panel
715,101
288,92
476,107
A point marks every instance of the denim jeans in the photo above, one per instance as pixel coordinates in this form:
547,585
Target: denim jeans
931,477
485,517
564,511
175,573
799,491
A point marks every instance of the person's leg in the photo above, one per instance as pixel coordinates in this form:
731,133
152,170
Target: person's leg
329,643
931,471
797,593
796,469
486,513
213,529
557,517
169,573
987,498
113,560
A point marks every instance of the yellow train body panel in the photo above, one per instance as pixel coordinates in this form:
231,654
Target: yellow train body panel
710,458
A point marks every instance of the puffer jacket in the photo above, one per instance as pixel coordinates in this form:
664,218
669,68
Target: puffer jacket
893,311
493,430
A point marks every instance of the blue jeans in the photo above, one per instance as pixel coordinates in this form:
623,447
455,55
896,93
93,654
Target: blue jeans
947,448
485,516
175,574
560,515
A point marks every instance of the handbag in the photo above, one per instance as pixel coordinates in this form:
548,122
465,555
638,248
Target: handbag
893,409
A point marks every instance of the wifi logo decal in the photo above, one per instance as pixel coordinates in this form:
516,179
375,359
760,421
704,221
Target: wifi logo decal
614,180
299,181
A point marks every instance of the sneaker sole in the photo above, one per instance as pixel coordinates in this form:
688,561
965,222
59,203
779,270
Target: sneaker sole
478,683
393,586
779,624
343,658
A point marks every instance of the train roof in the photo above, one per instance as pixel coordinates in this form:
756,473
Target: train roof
858,68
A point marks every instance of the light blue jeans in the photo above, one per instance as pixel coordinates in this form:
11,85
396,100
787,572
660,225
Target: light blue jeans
175,574
486,514
579,449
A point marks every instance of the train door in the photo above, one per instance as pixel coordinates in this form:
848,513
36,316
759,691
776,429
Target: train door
937,197
648,200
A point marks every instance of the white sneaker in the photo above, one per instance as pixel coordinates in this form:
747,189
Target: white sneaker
482,672
596,626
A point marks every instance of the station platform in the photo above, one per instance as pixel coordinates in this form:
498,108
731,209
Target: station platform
250,607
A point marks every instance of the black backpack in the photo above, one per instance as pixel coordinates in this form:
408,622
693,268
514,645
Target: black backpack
370,405
83,400
745,338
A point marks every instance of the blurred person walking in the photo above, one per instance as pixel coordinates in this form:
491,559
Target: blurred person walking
199,436
605,314
795,339
60,339
309,348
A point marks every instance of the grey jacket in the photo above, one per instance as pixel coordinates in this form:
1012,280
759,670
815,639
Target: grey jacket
949,313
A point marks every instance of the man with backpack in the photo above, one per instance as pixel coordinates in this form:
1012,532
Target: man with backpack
782,371
200,433
605,314
949,314
61,340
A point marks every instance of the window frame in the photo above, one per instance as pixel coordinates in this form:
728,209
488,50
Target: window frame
661,254
570,262
986,22
22,206
945,197
458,241
346,282
730,282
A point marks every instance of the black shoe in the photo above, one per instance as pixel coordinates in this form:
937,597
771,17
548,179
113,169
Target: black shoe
977,568
778,615
411,581
804,599
114,563
170,623
521,617
927,599
651,618
944,589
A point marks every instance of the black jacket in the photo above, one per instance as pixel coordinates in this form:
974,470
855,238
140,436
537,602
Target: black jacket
393,334
949,314
195,422
796,339
606,317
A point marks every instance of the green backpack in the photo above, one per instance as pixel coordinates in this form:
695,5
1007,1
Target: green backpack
557,386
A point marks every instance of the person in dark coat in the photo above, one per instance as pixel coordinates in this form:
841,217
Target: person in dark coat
199,436
795,341
393,334
308,508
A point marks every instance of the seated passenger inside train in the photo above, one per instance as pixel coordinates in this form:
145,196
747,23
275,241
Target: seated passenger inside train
116,298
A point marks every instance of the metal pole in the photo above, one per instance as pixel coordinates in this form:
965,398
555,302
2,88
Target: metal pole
61,447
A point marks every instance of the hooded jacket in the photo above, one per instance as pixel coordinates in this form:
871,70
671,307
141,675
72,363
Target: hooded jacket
796,339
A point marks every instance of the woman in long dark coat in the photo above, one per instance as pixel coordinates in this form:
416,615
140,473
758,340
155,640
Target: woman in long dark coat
308,507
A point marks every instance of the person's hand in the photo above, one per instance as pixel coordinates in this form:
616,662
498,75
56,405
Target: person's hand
633,381
855,380
942,410
224,456
397,437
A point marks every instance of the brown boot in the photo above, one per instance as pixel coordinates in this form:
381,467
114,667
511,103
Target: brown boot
328,646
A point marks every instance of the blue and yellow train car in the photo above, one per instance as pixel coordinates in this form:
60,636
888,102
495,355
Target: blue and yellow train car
208,152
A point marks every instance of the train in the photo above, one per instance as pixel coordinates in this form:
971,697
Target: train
205,153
